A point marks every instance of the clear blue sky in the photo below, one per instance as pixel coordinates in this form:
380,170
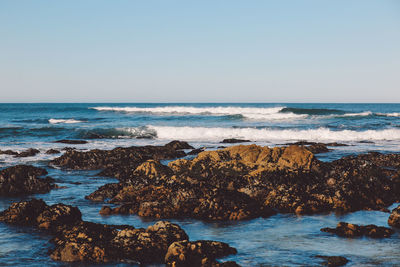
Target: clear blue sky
199,51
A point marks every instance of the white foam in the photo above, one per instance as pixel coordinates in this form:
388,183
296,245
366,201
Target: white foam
55,121
394,114
272,113
320,134
361,114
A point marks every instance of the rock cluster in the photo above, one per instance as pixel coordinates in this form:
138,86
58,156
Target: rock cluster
81,241
119,162
394,218
30,152
244,182
353,230
24,179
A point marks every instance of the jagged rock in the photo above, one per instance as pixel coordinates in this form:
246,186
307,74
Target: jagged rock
24,179
353,230
198,253
394,218
71,142
333,261
247,181
52,151
234,141
119,162
8,152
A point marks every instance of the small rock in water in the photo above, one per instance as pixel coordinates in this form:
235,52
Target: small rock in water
71,142
234,141
23,180
52,151
333,261
353,230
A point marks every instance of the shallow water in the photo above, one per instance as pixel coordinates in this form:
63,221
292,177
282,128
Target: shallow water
281,240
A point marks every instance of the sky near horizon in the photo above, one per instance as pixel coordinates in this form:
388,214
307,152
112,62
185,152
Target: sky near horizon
200,51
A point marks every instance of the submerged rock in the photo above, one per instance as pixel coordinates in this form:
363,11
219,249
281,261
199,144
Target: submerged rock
353,230
80,241
24,179
30,152
234,141
72,142
394,218
333,261
53,151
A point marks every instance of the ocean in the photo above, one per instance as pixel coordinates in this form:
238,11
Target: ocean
283,239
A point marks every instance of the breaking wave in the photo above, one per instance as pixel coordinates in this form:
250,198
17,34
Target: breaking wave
253,134
55,121
265,114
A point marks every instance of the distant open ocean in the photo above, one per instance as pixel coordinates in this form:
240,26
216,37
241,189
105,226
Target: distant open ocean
284,239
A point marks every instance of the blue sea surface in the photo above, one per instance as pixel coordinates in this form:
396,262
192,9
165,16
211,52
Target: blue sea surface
281,240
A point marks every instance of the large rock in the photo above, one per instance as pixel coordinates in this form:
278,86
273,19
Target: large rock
353,230
248,181
394,218
24,179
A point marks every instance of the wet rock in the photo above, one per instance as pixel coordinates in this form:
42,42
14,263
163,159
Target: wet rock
333,261
234,141
23,213
196,151
24,179
28,153
8,152
353,230
119,162
58,215
71,142
177,145
394,218
52,151
198,253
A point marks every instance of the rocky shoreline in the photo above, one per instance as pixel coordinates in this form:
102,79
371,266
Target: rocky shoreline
240,182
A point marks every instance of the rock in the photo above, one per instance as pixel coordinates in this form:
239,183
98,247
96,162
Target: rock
24,179
352,230
394,218
58,215
8,152
196,151
71,142
177,145
333,261
52,151
28,153
197,253
234,141
23,213
80,241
